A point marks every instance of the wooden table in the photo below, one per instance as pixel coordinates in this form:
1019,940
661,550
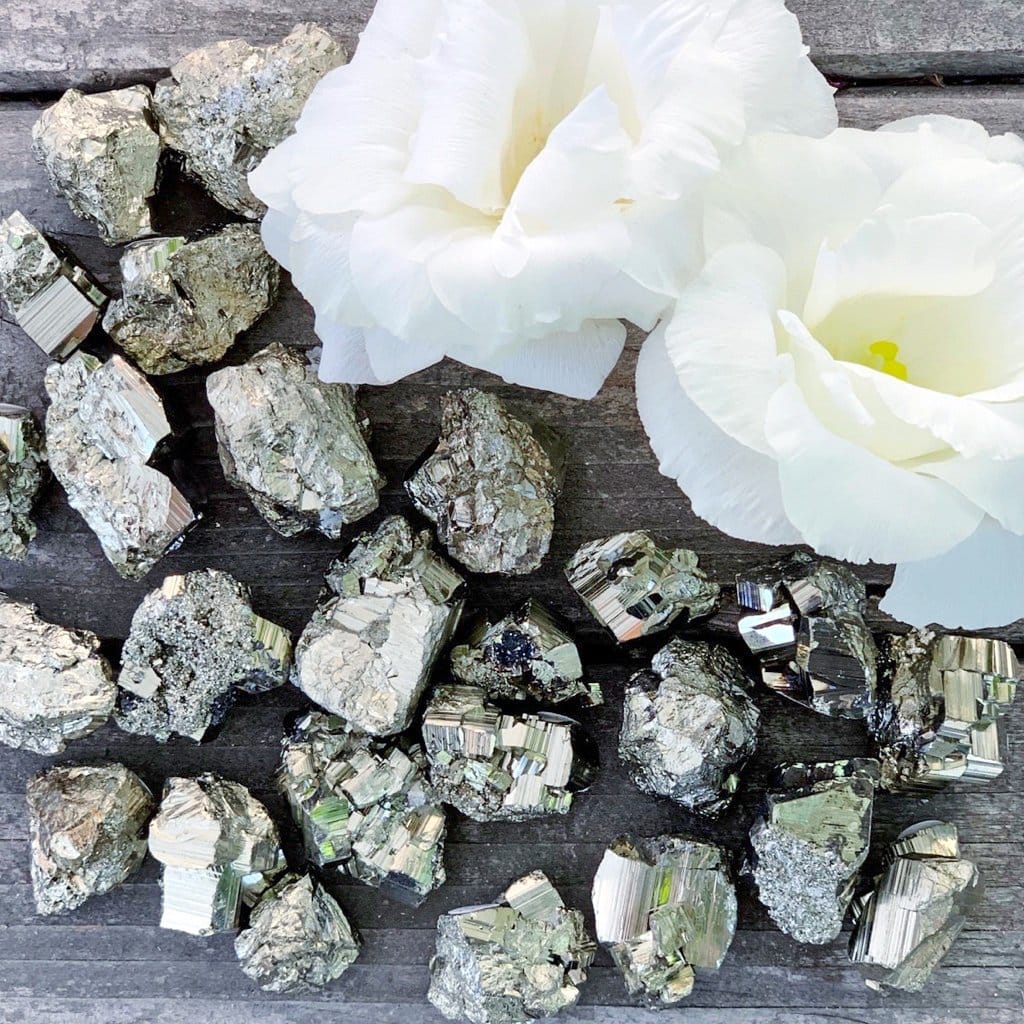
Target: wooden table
109,963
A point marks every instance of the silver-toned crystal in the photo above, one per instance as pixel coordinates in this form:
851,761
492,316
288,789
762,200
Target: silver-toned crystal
365,806
512,961
392,604
665,906
490,484
689,725
53,299
55,685
193,643
295,445
101,152
22,472
87,826
227,105
634,588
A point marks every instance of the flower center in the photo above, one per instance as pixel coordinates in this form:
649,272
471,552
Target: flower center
883,355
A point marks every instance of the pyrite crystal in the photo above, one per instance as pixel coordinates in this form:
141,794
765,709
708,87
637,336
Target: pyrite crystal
227,105
193,643
218,847
53,299
101,153
810,842
512,961
527,654
689,725
634,588
103,426
364,805
806,624
490,484
54,684
184,303
917,908
664,906
22,472
88,832
298,939
391,606
497,766
937,714
295,445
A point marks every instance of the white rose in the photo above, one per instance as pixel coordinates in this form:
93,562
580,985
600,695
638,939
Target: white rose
501,180
847,370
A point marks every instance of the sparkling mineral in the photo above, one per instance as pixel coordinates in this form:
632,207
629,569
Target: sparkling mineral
689,725
917,908
634,588
227,105
218,847
101,152
52,298
295,445
364,805
490,484
498,766
103,426
391,606
810,842
22,472
512,961
55,685
88,832
193,643
664,906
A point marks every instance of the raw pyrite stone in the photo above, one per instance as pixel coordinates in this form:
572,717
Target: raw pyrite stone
101,153
392,604
490,484
298,939
22,472
512,961
689,725
227,105
664,906
192,644
88,832
102,427
184,303
634,588
295,445
55,685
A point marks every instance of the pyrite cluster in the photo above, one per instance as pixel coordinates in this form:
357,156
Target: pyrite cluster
22,472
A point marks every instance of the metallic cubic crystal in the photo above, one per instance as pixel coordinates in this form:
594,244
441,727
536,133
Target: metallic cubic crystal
392,604
689,725
101,153
227,105
87,826
490,484
634,588
364,805
296,445
512,961
22,472
664,906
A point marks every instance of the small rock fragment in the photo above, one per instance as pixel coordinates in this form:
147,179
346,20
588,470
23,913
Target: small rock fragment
634,588
689,725
227,105
512,961
22,472
295,445
87,826
391,607
490,484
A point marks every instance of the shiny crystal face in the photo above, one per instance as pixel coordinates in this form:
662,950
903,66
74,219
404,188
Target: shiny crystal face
22,472
520,958
634,588
365,806
907,923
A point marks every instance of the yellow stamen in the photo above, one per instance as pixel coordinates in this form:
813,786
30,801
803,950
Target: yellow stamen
885,353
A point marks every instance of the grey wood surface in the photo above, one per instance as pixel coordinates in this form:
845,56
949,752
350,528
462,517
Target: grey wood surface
108,963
